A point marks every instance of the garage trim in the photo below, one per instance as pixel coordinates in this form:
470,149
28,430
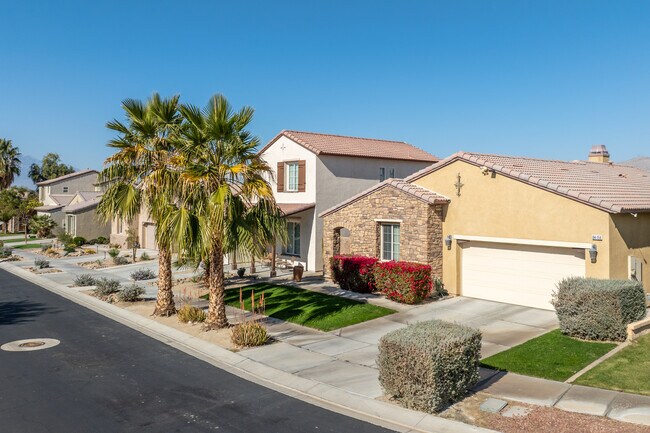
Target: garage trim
541,243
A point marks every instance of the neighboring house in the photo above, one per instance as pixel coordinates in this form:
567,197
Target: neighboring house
315,171
71,201
142,225
81,218
642,162
513,227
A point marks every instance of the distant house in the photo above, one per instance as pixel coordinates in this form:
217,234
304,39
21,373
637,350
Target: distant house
312,172
141,225
505,228
71,201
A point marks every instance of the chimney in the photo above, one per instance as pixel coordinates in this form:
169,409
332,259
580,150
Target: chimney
599,153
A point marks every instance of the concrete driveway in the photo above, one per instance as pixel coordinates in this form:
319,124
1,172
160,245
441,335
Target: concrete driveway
503,325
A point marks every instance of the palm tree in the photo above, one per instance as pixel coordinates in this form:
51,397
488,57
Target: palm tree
222,179
43,225
9,163
141,175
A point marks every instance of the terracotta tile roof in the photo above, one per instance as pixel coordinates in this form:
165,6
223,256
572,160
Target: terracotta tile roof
66,177
293,208
610,187
329,144
416,191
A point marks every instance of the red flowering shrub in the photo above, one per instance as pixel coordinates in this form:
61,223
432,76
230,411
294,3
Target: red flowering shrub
405,282
353,273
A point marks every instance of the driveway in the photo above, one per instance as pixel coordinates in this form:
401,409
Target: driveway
503,325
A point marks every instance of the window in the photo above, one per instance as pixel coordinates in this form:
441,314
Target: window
390,241
293,247
65,189
292,176
391,173
382,174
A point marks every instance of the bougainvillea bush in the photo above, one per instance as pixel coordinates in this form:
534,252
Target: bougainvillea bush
354,273
405,282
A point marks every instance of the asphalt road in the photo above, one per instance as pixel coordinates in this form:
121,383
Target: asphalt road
106,377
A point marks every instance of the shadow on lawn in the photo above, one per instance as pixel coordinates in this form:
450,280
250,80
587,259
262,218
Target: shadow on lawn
286,303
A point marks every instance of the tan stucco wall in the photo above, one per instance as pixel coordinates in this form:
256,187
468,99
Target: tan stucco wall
498,206
630,236
90,227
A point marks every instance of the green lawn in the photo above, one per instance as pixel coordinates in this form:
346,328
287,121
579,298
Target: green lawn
3,235
628,370
307,308
24,246
550,356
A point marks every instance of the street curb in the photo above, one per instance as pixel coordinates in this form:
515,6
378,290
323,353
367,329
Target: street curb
347,403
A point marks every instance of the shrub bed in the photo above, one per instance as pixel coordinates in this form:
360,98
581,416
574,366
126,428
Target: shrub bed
85,280
354,273
404,282
429,365
597,309
131,293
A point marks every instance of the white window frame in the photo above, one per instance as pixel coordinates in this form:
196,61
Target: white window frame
72,224
393,253
295,176
290,248
382,174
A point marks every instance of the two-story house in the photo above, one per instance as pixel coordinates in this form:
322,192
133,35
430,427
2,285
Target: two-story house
71,200
316,171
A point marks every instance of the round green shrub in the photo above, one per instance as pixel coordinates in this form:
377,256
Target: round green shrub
249,334
190,314
598,309
427,366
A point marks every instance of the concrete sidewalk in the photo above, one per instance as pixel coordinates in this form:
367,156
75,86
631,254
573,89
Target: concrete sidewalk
317,378
573,398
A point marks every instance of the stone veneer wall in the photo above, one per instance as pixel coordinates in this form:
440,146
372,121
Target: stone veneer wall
420,227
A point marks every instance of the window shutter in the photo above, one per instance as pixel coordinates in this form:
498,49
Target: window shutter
301,176
280,175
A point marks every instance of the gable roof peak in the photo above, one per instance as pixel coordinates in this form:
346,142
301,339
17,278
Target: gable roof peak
345,145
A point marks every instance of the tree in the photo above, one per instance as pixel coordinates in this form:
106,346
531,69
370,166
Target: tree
26,206
9,203
9,163
51,167
42,225
223,179
140,175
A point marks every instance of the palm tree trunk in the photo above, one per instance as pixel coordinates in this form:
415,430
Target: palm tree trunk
165,300
253,270
217,305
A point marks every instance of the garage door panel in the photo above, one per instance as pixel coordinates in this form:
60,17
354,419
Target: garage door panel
517,274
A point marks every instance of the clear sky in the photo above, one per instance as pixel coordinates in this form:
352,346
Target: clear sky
536,78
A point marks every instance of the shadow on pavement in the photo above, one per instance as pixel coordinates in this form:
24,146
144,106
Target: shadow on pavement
13,312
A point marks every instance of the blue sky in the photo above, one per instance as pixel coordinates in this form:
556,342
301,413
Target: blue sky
536,78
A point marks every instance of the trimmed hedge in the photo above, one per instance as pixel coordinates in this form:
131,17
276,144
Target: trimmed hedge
597,309
429,365
404,282
354,273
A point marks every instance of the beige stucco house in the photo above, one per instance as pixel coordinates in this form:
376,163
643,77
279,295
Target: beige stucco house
513,227
71,200
313,171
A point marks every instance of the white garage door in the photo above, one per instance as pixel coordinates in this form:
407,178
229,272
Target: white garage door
517,274
149,235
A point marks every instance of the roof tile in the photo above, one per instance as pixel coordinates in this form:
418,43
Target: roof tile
329,144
